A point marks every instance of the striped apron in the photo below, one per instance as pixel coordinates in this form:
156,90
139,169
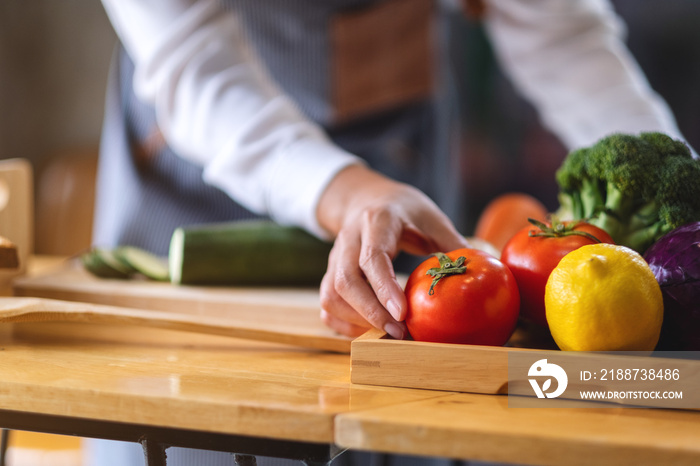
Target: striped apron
404,128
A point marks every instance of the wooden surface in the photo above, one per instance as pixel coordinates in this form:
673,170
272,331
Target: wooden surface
16,211
20,310
483,427
9,258
289,315
182,380
378,359
219,384
65,202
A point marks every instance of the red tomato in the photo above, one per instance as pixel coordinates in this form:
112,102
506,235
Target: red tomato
479,306
532,259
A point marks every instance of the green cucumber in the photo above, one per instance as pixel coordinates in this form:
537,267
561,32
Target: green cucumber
143,262
250,253
104,263
124,262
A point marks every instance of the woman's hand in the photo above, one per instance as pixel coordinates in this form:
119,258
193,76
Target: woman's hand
374,218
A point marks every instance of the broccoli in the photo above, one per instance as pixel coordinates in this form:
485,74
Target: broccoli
637,188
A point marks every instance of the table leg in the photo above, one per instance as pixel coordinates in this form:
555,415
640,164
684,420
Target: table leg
154,452
244,460
4,443
308,452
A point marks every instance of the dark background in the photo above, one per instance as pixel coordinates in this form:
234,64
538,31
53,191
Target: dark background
506,149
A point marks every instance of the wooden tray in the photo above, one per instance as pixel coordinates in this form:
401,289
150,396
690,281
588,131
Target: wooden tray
378,359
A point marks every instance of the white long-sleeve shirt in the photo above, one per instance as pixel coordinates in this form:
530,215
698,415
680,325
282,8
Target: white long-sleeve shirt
217,106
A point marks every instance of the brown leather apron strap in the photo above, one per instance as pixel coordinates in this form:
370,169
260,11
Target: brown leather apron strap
382,57
474,9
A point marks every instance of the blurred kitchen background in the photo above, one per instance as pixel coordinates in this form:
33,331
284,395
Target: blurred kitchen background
54,56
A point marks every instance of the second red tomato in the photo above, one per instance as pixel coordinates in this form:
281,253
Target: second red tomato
533,252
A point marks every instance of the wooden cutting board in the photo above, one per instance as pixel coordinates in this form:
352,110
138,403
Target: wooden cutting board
285,315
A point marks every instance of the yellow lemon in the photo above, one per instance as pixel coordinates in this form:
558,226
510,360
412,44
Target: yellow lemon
604,297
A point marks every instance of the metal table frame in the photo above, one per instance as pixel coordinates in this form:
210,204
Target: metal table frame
155,440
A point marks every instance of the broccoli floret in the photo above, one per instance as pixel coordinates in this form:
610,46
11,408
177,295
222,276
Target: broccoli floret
635,187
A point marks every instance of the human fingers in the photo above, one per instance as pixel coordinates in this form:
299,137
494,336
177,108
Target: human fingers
436,225
343,326
332,304
350,283
381,232
386,230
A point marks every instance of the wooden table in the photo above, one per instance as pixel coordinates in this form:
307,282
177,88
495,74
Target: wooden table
180,389
172,388
482,427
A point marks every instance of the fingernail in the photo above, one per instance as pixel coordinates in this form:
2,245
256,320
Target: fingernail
393,309
394,330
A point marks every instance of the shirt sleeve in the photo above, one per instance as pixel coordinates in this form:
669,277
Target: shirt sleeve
569,59
217,107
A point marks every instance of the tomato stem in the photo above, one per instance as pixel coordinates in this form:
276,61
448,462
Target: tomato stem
447,268
558,230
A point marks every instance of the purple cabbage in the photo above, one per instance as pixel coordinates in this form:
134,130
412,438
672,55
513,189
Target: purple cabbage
675,261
